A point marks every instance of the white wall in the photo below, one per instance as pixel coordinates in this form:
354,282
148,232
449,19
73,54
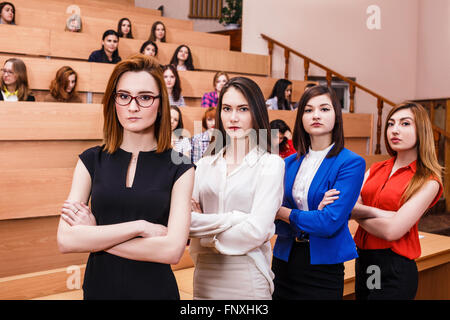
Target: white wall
179,9
334,33
433,63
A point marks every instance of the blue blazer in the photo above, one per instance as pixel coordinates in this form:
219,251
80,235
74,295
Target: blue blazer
329,237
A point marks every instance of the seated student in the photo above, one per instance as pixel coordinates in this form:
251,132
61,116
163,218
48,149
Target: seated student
158,32
210,99
63,87
182,58
173,85
283,139
280,98
179,143
73,23
7,13
14,82
124,28
109,53
149,48
201,141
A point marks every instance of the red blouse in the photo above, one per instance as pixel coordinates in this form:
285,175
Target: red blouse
385,193
286,152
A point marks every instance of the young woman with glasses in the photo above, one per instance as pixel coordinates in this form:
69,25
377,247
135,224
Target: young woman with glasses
14,82
138,221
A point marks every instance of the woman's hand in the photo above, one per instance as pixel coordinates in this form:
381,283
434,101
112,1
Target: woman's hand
149,230
195,206
328,198
77,213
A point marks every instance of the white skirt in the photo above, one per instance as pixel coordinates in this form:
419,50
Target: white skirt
222,277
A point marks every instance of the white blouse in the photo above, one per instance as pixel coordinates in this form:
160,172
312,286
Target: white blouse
305,175
239,208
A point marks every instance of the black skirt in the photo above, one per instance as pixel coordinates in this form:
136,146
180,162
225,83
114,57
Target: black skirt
382,274
298,279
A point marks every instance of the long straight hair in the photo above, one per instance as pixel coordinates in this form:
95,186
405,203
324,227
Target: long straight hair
176,90
258,110
301,139
152,32
22,87
427,163
278,91
112,129
119,29
188,63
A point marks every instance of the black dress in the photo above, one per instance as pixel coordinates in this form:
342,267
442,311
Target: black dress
111,277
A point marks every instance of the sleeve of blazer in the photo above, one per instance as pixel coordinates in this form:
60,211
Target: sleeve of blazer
326,222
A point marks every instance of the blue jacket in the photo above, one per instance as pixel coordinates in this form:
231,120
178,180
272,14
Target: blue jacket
329,237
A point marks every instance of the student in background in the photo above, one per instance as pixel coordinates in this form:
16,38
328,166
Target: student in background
173,85
313,239
109,53
179,142
283,138
201,141
63,87
280,98
395,195
149,48
237,192
124,28
182,58
210,99
14,81
7,13
158,32
132,235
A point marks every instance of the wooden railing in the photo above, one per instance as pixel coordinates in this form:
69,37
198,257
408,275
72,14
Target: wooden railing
352,85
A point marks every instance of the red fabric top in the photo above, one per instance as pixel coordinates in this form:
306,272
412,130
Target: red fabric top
288,151
385,193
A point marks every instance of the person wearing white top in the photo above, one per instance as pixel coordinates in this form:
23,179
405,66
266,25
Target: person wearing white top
237,193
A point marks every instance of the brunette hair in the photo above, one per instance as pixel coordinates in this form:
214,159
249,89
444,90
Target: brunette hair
278,91
180,121
258,110
5,3
188,63
22,87
282,127
152,32
112,129
115,55
427,163
301,138
217,75
146,43
176,90
119,29
209,113
59,84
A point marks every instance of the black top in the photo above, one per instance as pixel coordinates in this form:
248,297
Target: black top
30,97
100,56
111,277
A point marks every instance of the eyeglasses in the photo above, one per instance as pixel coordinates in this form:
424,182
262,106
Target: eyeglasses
7,71
143,100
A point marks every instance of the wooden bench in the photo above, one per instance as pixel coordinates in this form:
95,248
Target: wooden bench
95,27
93,77
141,15
43,42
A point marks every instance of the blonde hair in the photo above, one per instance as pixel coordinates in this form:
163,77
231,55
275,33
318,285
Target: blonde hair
112,129
427,163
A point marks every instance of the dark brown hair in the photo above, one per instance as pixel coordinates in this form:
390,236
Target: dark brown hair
301,138
176,90
152,32
119,29
258,111
112,129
